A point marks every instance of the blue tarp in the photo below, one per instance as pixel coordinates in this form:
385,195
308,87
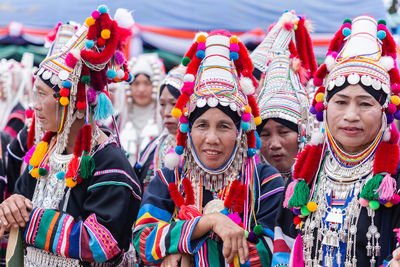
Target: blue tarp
233,15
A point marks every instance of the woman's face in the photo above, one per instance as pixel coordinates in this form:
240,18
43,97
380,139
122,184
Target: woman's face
354,118
167,103
141,90
214,136
279,145
45,106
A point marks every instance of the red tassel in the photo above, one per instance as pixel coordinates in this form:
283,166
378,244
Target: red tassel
307,163
239,203
105,21
78,144
337,41
304,47
386,158
182,101
72,168
31,133
86,137
96,80
394,75
92,32
254,107
233,188
292,49
81,97
189,193
175,195
193,66
244,62
124,35
47,136
389,45
181,138
192,50
251,139
320,75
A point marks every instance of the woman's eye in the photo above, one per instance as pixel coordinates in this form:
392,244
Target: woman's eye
340,102
366,104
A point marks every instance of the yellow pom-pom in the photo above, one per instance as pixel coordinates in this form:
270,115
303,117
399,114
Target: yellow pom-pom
176,113
247,109
234,40
105,34
64,101
39,153
319,97
395,100
201,38
388,204
90,21
312,206
35,172
70,182
257,121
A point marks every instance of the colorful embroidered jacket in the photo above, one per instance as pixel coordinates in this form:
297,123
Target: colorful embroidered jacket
97,223
156,235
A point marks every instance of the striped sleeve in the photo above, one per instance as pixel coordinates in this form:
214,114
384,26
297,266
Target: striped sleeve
62,235
155,236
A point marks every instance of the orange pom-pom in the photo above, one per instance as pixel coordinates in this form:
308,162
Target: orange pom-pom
35,172
319,97
105,34
257,121
70,182
201,38
176,113
247,109
234,40
90,21
64,101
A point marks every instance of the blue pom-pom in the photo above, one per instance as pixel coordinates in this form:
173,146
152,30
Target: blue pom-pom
251,152
179,150
66,84
246,264
225,211
200,54
30,167
381,34
89,43
184,127
60,175
102,9
245,125
346,31
130,79
258,140
104,107
111,74
234,56
138,166
303,139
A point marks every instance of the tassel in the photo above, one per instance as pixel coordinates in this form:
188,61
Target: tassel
87,166
296,258
300,196
39,153
104,107
232,191
239,203
72,168
189,193
175,195
387,188
369,190
29,154
289,193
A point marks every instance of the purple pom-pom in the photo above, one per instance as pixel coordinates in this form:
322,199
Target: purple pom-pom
397,115
313,110
119,58
389,118
382,201
91,96
320,116
252,237
296,211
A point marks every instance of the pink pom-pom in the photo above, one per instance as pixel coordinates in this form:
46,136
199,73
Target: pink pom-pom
95,14
391,109
317,81
201,46
29,113
319,106
395,88
246,117
71,60
364,202
183,119
395,199
288,26
234,47
119,58
91,96
381,27
346,25
332,54
235,218
187,88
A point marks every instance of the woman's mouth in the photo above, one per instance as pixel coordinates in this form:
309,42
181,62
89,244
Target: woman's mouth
351,130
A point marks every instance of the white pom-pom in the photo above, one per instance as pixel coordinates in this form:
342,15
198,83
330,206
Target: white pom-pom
295,64
200,33
124,18
120,74
387,63
171,160
188,78
317,138
247,86
309,25
330,63
386,135
76,53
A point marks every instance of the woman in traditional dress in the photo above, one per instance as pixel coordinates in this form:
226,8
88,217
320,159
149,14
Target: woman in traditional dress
153,156
219,197
79,196
342,202
283,101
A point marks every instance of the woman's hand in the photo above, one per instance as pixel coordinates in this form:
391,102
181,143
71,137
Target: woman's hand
171,260
396,258
14,212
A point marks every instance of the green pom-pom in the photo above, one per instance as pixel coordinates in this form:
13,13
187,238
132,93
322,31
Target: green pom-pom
258,230
369,189
382,21
347,21
42,171
87,166
305,211
300,195
185,61
85,79
374,204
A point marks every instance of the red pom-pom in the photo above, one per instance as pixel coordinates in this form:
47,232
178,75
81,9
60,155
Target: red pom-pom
29,113
64,92
81,105
297,220
126,76
395,88
101,42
